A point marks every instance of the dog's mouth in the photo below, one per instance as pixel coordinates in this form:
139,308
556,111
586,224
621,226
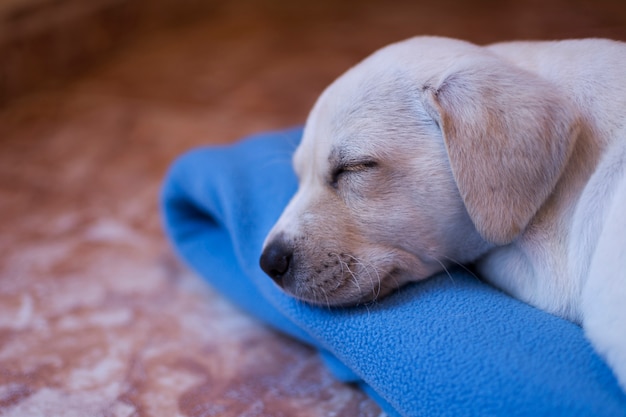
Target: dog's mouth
343,288
333,278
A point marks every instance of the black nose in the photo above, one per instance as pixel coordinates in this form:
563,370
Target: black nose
275,260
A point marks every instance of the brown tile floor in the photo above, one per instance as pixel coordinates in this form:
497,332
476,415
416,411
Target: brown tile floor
97,318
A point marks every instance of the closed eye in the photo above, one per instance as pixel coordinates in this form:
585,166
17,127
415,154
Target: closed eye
351,167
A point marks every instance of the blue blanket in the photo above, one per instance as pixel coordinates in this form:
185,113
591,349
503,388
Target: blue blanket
448,346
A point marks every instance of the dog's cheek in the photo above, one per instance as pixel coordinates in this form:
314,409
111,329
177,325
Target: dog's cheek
383,220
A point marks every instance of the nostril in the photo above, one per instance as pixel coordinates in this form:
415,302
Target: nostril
275,260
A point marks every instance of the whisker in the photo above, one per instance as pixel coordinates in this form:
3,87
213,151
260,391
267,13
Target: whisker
326,297
283,158
367,266
445,269
343,263
464,267
395,280
359,262
293,143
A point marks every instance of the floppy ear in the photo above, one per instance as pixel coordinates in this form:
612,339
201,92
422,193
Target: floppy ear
508,134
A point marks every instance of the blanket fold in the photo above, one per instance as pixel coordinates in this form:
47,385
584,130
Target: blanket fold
448,346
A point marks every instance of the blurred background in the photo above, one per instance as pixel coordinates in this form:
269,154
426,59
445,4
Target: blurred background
97,317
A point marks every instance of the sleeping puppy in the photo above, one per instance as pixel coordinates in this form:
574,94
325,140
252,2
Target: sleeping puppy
434,152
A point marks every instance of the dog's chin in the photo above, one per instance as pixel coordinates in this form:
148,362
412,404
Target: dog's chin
314,298
352,292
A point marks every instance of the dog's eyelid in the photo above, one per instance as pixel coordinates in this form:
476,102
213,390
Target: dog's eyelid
360,166
356,165
351,166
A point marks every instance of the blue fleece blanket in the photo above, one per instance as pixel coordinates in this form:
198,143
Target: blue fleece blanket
449,346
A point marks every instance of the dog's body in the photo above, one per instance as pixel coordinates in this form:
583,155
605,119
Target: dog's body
435,151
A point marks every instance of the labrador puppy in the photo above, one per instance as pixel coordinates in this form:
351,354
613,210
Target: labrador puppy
434,152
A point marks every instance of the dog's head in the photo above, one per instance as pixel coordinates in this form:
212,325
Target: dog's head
428,153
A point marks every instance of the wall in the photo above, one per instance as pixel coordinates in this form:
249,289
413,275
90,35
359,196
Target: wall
44,42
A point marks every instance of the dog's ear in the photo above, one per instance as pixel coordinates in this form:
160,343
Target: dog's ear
508,135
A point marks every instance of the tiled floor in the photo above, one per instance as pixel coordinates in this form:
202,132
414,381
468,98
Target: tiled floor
97,318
